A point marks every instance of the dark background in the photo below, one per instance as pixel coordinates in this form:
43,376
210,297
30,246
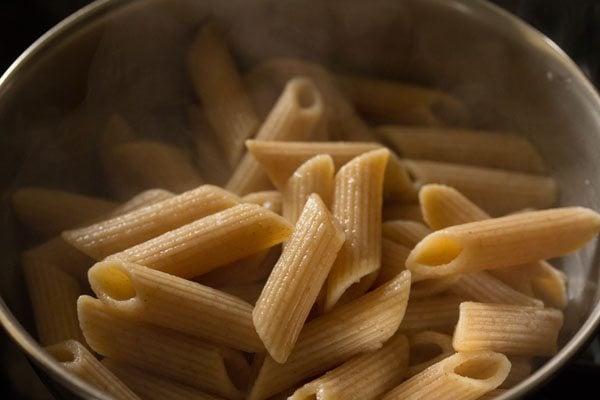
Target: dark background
573,24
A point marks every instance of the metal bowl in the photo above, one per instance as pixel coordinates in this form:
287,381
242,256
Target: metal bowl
66,84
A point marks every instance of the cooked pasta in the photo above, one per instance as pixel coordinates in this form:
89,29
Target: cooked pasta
509,329
110,236
210,242
297,278
75,358
139,293
426,349
296,116
356,205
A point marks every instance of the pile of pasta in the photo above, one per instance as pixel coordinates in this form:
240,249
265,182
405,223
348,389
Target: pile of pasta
325,259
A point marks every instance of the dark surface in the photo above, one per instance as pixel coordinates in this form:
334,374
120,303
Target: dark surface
574,25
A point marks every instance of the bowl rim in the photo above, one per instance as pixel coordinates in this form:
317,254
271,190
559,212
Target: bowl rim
500,19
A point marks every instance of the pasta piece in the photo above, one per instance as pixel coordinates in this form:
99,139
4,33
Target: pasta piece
249,293
340,116
269,199
139,293
520,370
421,289
393,257
119,233
210,159
294,284
364,377
539,279
210,242
75,358
356,205
161,351
403,232
62,255
295,116
251,269
314,176
426,349
53,295
49,212
496,191
504,242
150,196
280,160
509,329
484,288
444,206
411,212
141,165
218,84
434,313
462,376
327,341
461,146
404,103
153,387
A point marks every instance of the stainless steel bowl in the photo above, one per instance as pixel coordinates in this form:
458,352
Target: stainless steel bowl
512,77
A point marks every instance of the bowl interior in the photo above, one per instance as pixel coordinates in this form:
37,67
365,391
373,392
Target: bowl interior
129,57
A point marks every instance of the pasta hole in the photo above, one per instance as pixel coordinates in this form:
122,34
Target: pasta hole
438,251
306,96
63,353
115,283
477,368
422,352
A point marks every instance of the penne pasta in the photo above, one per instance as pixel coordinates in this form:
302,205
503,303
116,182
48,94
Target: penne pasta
297,278
269,199
356,206
504,242
434,313
280,160
485,288
314,176
62,255
327,341
251,269
295,116
210,242
53,295
340,116
403,103
75,358
210,157
444,206
219,86
426,349
430,287
139,293
462,376
403,232
48,212
161,351
496,191
110,236
393,258
151,386
461,146
364,377
493,394
410,212
141,165
509,329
